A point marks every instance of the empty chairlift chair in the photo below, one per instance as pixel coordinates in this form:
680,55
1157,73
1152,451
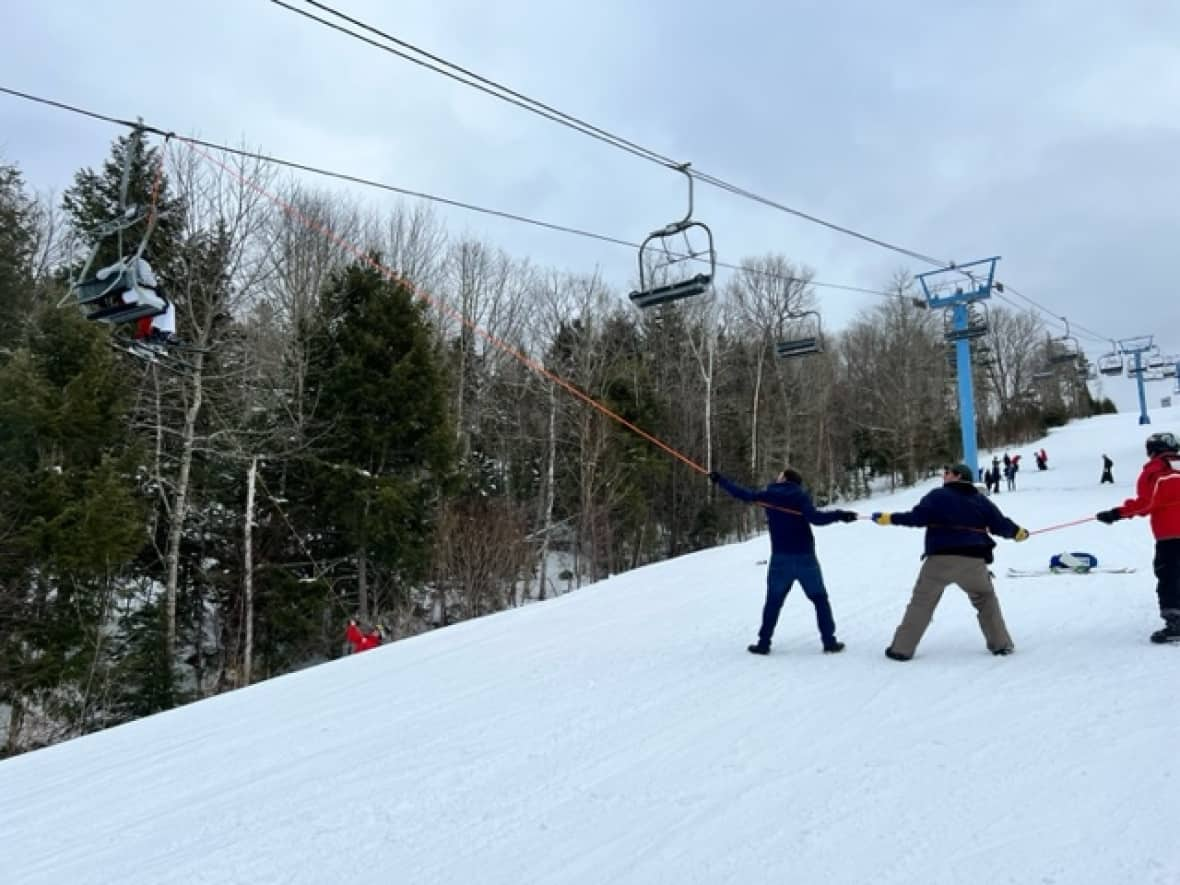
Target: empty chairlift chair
1111,363
802,345
669,255
1065,349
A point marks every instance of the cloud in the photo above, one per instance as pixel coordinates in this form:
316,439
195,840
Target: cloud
1020,129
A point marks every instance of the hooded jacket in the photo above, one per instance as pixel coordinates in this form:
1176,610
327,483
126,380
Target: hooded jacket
958,519
1157,493
361,641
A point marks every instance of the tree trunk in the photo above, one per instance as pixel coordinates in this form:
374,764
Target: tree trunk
180,504
362,584
549,497
754,412
16,719
248,575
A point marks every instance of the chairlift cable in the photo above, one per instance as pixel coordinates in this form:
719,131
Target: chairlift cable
327,173
420,195
491,87
497,90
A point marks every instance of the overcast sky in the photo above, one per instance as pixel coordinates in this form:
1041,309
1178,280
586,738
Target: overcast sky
1044,132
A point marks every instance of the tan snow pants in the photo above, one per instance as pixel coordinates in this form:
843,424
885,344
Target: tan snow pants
937,572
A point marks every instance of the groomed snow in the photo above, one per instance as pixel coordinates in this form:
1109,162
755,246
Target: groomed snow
622,734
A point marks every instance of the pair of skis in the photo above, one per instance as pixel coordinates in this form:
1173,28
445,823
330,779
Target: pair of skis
1039,572
159,353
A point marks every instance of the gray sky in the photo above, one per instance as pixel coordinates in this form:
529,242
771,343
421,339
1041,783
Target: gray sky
1044,132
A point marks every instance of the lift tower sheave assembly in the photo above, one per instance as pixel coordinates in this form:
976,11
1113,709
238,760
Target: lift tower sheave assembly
956,290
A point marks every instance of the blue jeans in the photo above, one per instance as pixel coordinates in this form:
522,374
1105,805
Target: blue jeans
784,570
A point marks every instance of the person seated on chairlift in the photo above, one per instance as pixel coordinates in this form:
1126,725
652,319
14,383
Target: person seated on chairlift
157,329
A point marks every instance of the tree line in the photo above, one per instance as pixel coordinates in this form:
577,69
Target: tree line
368,425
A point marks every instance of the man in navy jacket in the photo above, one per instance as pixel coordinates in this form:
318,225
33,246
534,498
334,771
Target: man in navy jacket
790,515
958,520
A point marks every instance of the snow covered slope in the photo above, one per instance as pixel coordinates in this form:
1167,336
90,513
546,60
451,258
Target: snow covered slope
623,734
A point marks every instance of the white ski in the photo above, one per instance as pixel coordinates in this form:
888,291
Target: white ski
1039,572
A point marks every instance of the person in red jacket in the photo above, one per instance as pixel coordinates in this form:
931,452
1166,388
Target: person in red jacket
362,641
1157,494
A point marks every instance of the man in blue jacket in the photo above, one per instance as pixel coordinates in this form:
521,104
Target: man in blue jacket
957,519
790,515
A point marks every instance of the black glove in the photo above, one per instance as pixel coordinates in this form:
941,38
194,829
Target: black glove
1108,516
847,516
714,476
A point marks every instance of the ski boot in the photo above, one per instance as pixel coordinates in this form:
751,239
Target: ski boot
1170,631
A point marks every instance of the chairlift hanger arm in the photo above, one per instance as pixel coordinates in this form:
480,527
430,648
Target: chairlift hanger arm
675,227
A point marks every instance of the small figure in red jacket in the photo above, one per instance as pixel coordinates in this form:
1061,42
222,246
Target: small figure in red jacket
1157,494
362,641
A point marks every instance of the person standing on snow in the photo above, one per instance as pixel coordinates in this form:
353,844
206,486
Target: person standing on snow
958,549
1157,493
1107,466
790,515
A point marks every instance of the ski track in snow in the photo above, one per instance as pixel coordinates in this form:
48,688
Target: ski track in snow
622,734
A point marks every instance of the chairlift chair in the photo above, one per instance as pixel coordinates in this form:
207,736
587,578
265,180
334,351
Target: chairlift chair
805,345
1065,349
1111,363
101,297
660,255
1059,355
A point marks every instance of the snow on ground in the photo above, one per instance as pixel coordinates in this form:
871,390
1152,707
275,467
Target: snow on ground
623,734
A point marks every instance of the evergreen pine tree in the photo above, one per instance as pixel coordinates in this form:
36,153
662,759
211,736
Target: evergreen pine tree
70,516
94,201
388,451
18,220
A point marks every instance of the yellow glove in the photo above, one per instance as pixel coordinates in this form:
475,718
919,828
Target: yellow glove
882,518
1021,535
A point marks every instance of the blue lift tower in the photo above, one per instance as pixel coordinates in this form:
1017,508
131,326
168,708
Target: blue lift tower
955,290
1136,347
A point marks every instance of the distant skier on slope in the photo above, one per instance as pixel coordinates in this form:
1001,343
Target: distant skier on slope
1107,466
1157,493
790,516
957,519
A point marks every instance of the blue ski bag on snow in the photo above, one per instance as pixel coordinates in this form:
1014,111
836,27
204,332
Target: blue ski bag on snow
1073,562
